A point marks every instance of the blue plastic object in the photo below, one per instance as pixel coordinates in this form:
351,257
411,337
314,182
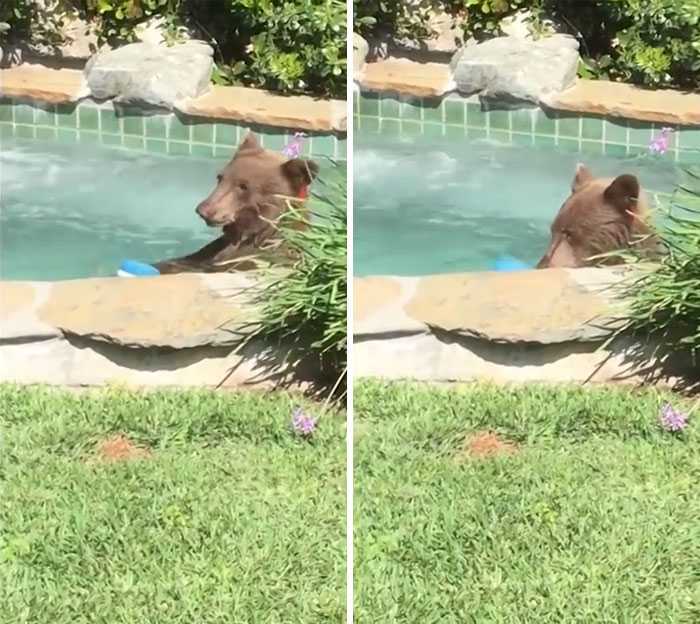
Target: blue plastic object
134,268
507,263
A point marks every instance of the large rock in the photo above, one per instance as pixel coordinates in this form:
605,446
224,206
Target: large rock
360,50
513,68
155,74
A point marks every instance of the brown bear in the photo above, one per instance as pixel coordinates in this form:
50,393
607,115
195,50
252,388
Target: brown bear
253,190
599,217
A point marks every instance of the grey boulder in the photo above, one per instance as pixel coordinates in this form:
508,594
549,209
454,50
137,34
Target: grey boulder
360,50
159,75
513,68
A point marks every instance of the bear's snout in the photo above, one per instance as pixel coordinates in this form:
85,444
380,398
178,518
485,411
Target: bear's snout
207,212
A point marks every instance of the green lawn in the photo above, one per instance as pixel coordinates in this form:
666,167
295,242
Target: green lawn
594,518
224,517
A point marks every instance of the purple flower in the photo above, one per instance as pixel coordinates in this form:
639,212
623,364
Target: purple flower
673,420
659,145
294,147
303,424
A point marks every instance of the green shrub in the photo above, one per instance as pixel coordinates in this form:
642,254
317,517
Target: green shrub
306,307
16,14
664,301
298,47
118,19
295,46
479,18
373,17
20,19
647,42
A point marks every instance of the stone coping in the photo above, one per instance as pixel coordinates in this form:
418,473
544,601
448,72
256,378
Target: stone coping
407,77
570,305
191,310
43,84
594,97
254,106
64,86
616,99
179,311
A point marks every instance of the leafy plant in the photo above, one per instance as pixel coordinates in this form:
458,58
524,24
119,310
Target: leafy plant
485,16
305,307
119,19
295,46
647,42
663,302
20,19
400,19
15,15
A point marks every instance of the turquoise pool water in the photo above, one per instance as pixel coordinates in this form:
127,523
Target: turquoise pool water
429,206
73,211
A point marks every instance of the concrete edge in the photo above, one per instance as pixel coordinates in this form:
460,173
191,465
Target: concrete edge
168,312
623,106
574,305
317,115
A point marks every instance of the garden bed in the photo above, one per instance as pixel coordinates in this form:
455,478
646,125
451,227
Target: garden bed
556,504
170,507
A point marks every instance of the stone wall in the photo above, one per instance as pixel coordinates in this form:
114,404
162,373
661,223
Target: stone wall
182,330
531,326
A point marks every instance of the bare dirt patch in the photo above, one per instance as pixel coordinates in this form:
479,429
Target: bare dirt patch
485,444
119,448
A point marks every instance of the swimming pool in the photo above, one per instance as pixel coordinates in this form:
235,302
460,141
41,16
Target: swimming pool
74,211
442,205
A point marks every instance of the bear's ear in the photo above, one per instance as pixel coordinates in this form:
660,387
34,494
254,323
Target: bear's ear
249,143
583,176
623,193
300,172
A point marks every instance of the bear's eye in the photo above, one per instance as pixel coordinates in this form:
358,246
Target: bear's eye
567,233
242,186
219,177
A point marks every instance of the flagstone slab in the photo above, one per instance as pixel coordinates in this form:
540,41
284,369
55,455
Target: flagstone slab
616,99
250,106
180,311
255,106
44,84
19,302
570,305
407,77
180,330
588,97
547,326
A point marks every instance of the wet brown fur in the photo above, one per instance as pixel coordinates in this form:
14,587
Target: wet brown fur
600,216
252,192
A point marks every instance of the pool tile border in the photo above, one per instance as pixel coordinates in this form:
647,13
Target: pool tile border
148,130
395,116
